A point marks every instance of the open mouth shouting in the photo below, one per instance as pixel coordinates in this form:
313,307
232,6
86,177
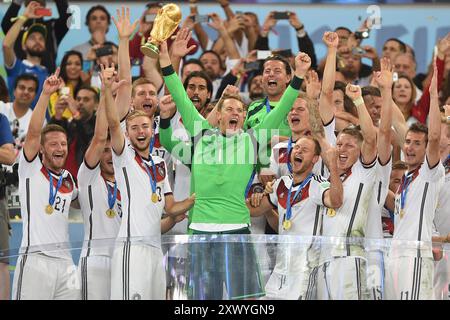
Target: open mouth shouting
58,156
271,84
147,107
342,160
295,120
233,123
141,138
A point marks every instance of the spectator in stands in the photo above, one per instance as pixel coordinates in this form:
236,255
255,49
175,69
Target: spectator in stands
7,156
190,66
373,101
19,112
56,29
392,47
4,95
105,59
98,21
350,68
255,86
213,67
405,63
73,77
81,129
33,43
404,95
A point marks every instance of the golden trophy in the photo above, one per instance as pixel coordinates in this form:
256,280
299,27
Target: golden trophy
166,22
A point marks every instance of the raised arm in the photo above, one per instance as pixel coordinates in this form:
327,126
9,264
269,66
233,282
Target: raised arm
230,46
331,40
112,116
11,36
32,139
191,117
61,25
383,79
434,128
95,149
334,196
179,48
124,29
399,124
369,145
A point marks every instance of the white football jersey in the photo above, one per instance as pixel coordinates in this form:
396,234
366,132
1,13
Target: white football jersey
442,217
42,232
279,157
306,208
416,222
350,220
141,219
93,198
258,224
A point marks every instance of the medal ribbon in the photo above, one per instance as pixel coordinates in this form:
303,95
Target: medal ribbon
289,202
52,196
404,190
289,148
152,182
267,103
112,196
249,184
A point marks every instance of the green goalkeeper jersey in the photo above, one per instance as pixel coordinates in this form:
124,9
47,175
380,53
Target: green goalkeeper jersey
221,166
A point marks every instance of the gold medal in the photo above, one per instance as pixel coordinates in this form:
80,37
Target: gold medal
49,209
287,224
154,197
402,213
331,212
110,213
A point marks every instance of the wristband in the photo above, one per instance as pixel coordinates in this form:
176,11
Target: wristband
300,28
22,17
358,102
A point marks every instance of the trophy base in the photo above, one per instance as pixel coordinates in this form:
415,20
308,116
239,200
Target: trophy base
150,50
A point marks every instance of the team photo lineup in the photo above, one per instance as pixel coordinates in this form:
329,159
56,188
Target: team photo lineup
344,157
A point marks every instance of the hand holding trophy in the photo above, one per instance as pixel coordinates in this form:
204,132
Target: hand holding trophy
165,24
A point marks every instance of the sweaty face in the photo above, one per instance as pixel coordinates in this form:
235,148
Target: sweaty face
396,179
373,105
402,92
86,103
414,148
106,164
348,151
298,117
54,150
73,67
25,92
275,78
403,63
231,117
212,65
302,156
145,98
391,49
197,91
35,44
139,131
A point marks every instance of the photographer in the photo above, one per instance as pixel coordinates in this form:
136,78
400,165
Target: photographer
7,157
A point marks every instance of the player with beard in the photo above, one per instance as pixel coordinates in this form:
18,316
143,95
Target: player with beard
33,44
410,266
137,264
342,271
299,199
46,194
223,166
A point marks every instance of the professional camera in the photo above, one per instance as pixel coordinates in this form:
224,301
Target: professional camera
8,178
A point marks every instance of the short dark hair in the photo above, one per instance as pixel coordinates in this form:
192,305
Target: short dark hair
199,74
276,57
153,5
27,77
91,89
354,132
95,8
418,127
51,128
192,61
252,77
216,54
400,43
349,106
370,91
343,28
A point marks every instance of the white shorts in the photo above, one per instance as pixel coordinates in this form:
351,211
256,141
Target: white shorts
343,278
375,274
40,277
95,275
295,274
137,273
442,278
409,278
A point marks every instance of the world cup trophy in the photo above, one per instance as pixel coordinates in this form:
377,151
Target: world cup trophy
165,24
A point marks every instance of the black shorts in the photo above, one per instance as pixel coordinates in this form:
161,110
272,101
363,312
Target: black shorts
4,232
211,265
